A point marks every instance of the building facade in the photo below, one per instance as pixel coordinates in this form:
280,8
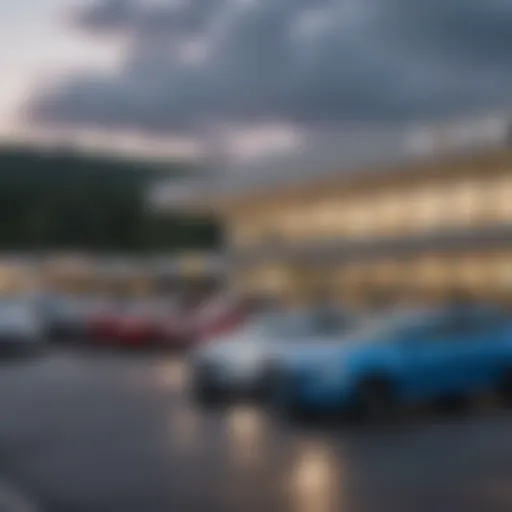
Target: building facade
432,224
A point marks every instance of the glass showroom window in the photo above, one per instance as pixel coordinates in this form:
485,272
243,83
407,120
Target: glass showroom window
428,206
301,223
391,212
241,234
289,224
269,228
472,272
500,198
274,280
363,217
429,273
502,272
387,273
350,213
255,230
353,275
329,218
467,202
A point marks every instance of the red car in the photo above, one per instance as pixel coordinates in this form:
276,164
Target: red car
220,317
151,323
141,324
101,322
185,328
128,324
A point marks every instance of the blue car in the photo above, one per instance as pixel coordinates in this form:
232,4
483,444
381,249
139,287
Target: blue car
402,358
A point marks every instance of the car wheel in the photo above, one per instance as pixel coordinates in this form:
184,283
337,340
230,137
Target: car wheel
504,387
452,404
289,407
297,413
206,394
375,399
271,380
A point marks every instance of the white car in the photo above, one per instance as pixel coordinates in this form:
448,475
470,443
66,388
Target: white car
247,361
20,325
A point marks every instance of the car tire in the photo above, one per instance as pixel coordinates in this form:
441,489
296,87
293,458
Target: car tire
205,394
375,399
288,407
297,413
271,380
504,386
453,405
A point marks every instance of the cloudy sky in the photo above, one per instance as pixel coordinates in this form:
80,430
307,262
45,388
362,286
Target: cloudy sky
257,72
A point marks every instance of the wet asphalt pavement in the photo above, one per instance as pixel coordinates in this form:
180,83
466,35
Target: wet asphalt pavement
95,432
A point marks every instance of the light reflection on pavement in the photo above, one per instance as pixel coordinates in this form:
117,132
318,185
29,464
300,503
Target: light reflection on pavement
185,432
246,430
97,432
172,374
315,480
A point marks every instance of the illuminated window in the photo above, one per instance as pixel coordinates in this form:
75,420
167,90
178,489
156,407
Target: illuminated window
429,207
273,279
296,223
502,270
430,271
499,200
250,232
389,212
289,224
241,235
361,216
472,272
353,275
466,200
386,272
329,218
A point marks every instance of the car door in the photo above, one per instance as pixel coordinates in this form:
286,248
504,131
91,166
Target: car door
456,354
434,359
481,340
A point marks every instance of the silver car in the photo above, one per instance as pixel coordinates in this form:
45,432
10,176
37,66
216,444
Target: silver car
246,363
20,326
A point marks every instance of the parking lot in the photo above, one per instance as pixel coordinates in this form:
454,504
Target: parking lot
84,430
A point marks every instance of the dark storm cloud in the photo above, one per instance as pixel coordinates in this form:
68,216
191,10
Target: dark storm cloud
315,62
108,15
137,16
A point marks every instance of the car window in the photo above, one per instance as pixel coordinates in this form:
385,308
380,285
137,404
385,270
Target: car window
294,326
390,325
326,323
458,324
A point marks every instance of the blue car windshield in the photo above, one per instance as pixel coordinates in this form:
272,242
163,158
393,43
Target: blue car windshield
394,324
294,326
382,326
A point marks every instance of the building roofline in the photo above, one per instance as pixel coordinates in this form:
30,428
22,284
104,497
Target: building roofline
403,149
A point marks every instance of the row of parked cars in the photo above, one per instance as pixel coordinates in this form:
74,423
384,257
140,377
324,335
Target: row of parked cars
147,322
310,362
31,321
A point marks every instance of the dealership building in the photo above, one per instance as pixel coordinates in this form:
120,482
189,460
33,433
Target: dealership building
427,210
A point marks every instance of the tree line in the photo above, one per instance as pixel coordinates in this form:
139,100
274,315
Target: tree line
61,199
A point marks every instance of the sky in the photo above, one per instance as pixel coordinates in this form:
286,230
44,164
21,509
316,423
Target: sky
246,76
